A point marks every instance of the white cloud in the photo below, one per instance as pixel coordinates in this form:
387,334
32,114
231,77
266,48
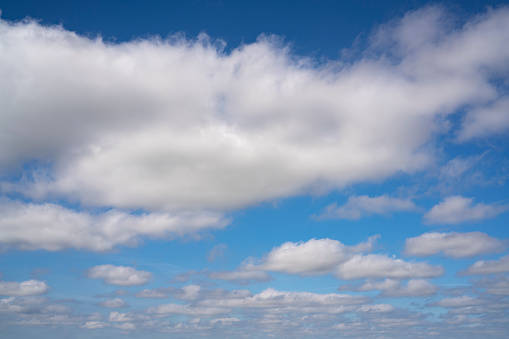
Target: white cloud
456,245
113,303
151,294
271,298
94,325
25,288
119,275
485,121
316,256
382,266
414,288
489,266
458,209
323,256
462,301
394,288
182,125
52,227
187,310
359,206
126,317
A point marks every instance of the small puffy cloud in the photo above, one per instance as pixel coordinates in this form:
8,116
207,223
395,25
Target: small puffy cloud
456,245
119,275
382,266
458,209
51,227
483,267
414,288
394,288
324,256
152,294
359,206
113,303
25,288
91,325
485,121
316,256
126,317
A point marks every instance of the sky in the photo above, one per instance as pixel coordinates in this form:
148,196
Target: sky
257,169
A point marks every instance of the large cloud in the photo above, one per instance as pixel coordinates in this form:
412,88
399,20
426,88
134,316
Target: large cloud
178,124
456,245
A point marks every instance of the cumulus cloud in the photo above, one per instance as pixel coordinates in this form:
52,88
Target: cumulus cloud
382,266
180,124
486,120
316,256
25,288
483,267
47,226
394,288
271,298
456,245
462,301
151,294
458,209
119,275
359,206
90,325
324,256
414,288
114,303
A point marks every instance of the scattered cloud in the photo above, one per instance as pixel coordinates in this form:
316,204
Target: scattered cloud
483,267
382,266
51,227
359,206
119,275
113,303
25,288
324,256
394,288
456,245
458,209
484,121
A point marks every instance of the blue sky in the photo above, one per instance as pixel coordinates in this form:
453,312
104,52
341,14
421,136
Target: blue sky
254,169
